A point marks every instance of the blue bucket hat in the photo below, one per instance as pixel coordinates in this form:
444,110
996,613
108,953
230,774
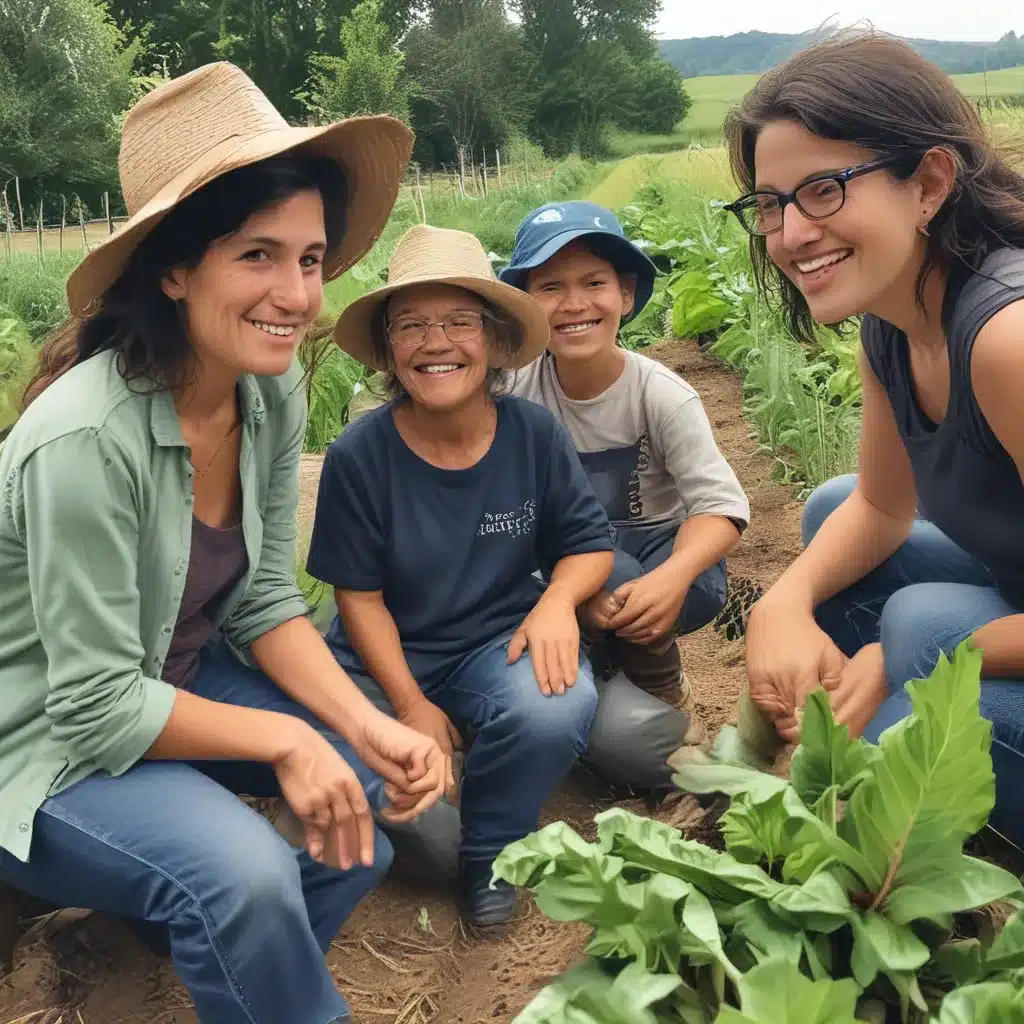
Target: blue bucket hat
553,226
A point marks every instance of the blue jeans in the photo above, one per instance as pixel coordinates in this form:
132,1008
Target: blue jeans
522,743
249,918
927,597
639,549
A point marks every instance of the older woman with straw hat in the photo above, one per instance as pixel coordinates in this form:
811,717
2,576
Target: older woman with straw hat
436,512
155,654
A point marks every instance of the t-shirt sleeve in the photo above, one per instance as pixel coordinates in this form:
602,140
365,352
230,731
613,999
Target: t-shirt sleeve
706,482
572,520
347,547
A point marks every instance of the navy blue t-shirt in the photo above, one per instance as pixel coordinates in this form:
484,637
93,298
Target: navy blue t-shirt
454,551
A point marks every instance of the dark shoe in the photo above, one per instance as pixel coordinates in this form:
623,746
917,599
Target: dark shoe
485,906
657,670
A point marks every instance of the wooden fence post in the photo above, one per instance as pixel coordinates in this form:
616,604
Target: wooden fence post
81,221
106,207
21,212
63,220
483,168
497,157
39,232
419,190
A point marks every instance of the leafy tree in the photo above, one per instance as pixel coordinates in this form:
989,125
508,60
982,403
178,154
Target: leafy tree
66,77
367,79
472,79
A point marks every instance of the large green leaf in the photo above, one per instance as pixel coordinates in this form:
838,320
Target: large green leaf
967,960
881,945
827,756
776,992
587,994
990,1002
753,832
933,785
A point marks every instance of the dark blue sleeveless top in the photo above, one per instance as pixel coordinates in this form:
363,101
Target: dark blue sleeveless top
967,483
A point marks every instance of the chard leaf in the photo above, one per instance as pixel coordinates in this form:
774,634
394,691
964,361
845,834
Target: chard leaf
755,831
776,992
556,847
967,960
990,1002
731,779
933,784
881,945
766,933
940,883
1007,952
827,756
587,994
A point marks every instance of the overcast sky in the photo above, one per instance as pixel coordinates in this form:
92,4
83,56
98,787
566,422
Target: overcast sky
927,19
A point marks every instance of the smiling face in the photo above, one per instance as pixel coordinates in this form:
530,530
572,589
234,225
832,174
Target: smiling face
584,298
863,258
437,373
250,299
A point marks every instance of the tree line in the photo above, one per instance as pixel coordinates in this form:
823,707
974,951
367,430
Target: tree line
466,74
748,53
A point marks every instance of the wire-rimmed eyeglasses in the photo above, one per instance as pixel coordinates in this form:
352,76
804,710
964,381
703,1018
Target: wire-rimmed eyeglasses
459,327
817,198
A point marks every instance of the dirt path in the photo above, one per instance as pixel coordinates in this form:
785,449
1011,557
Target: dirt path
403,956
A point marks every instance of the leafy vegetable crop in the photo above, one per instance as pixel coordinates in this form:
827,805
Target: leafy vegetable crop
843,894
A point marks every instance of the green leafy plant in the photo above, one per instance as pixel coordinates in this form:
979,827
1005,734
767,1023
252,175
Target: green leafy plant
17,364
843,893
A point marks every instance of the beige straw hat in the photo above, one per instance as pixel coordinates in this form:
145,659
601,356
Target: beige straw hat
429,255
182,135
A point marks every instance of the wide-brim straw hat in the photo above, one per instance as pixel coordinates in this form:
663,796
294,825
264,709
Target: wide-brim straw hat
429,255
213,120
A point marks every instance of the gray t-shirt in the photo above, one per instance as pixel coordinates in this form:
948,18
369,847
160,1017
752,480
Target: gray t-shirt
646,444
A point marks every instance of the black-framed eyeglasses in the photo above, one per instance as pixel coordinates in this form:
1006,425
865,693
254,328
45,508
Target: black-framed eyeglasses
817,198
459,327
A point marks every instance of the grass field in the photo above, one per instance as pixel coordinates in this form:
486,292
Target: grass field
713,95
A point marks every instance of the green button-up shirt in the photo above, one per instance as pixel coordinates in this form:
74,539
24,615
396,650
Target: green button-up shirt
95,529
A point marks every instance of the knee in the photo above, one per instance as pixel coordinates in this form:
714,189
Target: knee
822,502
917,624
560,718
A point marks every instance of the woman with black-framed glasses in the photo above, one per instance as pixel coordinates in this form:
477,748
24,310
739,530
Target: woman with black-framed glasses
888,201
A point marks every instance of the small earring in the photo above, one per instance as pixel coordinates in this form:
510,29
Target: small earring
923,228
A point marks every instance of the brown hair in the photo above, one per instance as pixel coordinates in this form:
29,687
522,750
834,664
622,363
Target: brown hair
877,92
506,339
135,318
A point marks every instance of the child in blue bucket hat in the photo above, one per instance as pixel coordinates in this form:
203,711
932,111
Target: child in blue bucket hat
643,436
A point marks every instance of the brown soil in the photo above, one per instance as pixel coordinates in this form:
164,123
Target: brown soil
404,957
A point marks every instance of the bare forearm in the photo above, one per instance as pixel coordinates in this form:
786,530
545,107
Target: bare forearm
374,635
856,538
1002,646
206,730
297,658
700,543
578,577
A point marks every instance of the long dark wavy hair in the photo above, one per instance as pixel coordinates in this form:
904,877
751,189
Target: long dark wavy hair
135,318
877,92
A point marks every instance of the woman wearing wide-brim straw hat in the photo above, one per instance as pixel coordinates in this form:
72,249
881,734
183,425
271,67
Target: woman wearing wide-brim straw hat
155,654
435,510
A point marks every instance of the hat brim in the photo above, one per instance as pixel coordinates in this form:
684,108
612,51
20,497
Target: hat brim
372,151
353,333
634,257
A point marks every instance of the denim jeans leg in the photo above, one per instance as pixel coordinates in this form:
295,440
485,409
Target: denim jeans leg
918,623
524,745
165,843
331,895
852,617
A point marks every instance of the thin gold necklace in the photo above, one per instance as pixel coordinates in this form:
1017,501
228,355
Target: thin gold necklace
201,473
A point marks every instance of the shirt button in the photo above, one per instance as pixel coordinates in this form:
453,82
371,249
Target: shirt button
188,500
23,827
166,629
